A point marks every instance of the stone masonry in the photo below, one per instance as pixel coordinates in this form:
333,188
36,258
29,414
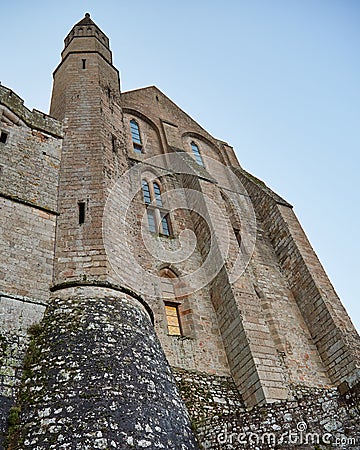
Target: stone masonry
153,294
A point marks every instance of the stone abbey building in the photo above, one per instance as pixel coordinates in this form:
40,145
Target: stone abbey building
153,294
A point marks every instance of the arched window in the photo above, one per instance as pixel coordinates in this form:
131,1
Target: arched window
135,135
168,289
158,217
197,154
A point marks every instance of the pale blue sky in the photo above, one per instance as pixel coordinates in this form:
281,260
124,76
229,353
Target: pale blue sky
279,80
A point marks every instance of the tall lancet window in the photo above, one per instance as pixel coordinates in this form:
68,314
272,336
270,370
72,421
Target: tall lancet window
158,216
197,154
136,137
172,305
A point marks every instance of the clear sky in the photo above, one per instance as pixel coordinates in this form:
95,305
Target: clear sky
277,79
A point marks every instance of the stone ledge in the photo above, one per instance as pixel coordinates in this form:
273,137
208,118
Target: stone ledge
34,119
104,284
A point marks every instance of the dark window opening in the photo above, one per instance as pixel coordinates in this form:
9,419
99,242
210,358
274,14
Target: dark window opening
3,137
239,240
238,236
83,63
113,143
137,148
165,225
81,206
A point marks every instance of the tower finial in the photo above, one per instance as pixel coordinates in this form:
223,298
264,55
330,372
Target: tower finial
86,28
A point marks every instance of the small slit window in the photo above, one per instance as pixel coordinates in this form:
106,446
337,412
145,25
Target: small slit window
3,137
83,63
196,152
135,135
113,143
238,236
239,240
81,206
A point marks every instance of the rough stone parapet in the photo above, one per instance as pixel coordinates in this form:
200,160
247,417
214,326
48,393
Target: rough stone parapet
34,119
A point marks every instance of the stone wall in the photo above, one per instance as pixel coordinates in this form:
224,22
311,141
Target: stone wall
27,246
266,337
206,396
329,325
29,168
17,315
316,419
30,157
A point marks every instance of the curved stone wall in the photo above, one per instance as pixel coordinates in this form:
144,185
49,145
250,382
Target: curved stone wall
97,378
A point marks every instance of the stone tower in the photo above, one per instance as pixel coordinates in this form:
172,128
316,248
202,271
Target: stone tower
148,278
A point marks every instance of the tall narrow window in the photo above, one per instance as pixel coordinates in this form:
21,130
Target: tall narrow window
158,216
113,143
151,220
172,317
157,193
136,138
146,192
83,63
81,206
168,284
197,154
165,224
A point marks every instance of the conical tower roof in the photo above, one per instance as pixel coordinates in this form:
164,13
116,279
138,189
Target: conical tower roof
85,21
